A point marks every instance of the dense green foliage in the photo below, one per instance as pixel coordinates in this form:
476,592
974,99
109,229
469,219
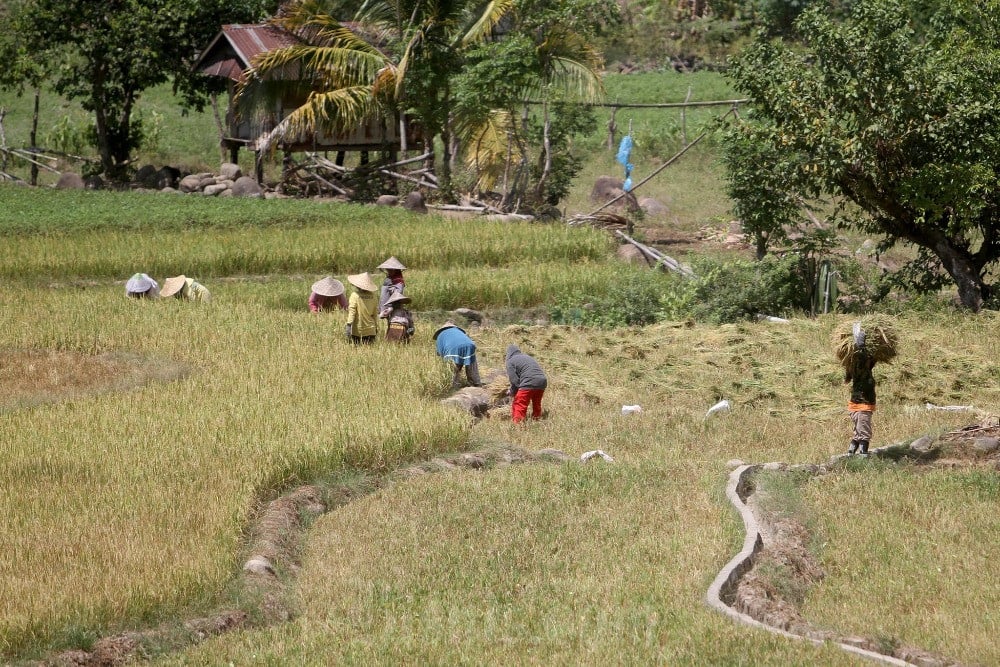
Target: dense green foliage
108,53
898,117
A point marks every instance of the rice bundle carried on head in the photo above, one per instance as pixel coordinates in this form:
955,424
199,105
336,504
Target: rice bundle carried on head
876,335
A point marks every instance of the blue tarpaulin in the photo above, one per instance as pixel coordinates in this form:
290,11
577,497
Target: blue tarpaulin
624,153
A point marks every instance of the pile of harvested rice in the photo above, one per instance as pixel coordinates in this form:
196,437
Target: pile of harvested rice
497,389
881,340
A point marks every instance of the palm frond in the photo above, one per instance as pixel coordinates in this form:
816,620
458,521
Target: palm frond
491,148
331,111
486,20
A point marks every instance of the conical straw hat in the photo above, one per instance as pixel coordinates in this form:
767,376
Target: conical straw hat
329,286
139,283
391,263
172,286
397,297
362,281
447,325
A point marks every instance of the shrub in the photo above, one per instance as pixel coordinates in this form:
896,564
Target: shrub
738,290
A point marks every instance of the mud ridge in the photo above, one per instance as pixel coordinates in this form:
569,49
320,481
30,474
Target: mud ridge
742,593
269,573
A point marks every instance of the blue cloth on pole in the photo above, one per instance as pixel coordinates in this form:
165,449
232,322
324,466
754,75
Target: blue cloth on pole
624,153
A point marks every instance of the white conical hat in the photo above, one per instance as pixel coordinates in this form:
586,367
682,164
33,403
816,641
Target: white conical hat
328,286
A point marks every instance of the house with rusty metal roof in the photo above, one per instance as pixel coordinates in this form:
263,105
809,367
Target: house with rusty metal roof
233,51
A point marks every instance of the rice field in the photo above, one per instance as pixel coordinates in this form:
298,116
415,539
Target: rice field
127,505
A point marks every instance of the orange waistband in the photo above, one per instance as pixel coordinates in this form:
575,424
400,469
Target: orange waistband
860,407
396,325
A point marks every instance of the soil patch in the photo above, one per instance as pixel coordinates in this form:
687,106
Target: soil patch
33,377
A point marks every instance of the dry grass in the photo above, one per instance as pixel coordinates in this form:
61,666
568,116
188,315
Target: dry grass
608,563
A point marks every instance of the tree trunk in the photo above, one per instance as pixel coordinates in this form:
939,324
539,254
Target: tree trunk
33,137
971,288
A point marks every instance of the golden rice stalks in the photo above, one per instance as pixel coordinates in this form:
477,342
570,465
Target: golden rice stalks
881,340
497,389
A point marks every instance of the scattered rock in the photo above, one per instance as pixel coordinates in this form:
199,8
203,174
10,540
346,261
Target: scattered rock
146,176
924,448
986,445
629,253
190,183
230,171
70,181
607,188
469,314
474,461
653,208
244,186
259,565
94,182
215,189
387,200
415,202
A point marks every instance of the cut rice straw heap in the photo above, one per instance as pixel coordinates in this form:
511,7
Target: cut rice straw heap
881,340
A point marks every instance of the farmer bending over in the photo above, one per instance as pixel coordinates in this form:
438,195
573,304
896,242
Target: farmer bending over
454,345
527,384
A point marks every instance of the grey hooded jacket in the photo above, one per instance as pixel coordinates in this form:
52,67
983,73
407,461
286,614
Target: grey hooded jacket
523,371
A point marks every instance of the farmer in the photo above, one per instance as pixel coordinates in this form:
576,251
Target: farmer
189,289
141,286
454,345
862,403
362,309
400,319
527,384
393,280
327,294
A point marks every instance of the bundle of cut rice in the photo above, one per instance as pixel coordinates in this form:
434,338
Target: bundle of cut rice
497,389
880,340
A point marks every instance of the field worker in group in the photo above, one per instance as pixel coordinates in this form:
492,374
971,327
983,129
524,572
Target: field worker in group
400,319
362,309
182,287
141,286
454,345
327,294
527,384
393,282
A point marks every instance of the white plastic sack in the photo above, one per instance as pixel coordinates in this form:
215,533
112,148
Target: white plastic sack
721,407
631,409
586,456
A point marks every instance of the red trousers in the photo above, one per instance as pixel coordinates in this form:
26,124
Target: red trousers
519,408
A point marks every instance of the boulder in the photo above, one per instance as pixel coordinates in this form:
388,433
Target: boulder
259,565
469,314
230,171
415,202
387,200
474,400
925,447
986,445
653,207
190,183
607,188
206,181
244,186
70,181
146,176
94,182
215,189
629,253
167,177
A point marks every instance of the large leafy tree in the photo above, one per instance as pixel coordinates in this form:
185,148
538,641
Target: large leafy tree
106,53
894,116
